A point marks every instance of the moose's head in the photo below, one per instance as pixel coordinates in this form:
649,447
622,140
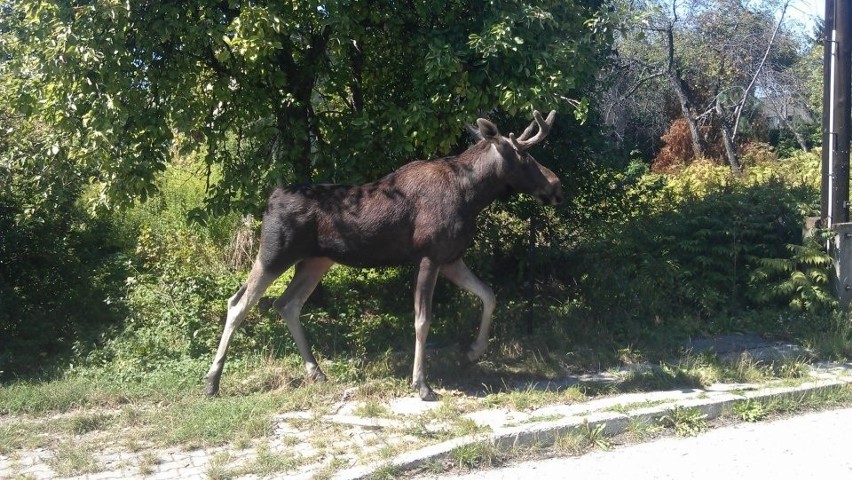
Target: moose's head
520,170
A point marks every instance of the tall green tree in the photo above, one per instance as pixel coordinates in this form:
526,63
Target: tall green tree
299,90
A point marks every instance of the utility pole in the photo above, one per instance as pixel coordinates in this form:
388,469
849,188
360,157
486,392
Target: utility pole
837,90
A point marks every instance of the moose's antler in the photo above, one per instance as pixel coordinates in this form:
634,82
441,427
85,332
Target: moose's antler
524,142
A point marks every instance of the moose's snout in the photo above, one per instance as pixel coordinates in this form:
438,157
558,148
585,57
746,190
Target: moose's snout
555,198
553,194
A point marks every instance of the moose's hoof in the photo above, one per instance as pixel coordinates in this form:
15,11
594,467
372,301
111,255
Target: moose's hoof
212,388
474,353
317,376
426,393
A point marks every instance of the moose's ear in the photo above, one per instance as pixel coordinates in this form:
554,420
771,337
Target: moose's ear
473,131
487,129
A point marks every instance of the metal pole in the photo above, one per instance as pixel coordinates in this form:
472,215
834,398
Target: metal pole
839,205
828,38
837,145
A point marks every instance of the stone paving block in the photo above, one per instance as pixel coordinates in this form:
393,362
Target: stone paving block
37,471
187,472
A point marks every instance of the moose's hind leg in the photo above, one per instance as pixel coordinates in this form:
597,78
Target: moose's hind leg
258,281
423,291
289,306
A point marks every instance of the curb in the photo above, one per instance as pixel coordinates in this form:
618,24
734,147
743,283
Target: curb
712,404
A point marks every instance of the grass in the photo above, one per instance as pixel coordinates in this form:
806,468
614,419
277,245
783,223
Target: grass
372,409
386,472
267,463
218,468
531,397
196,423
17,435
641,429
329,469
85,408
629,407
476,455
573,442
71,458
147,462
685,422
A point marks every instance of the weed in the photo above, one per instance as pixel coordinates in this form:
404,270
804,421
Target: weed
88,422
572,442
73,458
267,463
329,469
372,409
595,435
686,422
147,462
641,428
385,472
475,455
750,410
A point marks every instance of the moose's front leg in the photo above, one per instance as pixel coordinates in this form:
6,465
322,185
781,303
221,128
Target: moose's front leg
422,318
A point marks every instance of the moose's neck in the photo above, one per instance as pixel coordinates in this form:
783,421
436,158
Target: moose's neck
481,177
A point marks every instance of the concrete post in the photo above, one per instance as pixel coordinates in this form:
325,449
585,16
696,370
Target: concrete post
841,253
836,139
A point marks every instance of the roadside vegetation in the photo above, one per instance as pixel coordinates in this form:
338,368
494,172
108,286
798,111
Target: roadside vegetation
132,184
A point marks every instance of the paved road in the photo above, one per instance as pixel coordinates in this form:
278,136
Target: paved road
810,446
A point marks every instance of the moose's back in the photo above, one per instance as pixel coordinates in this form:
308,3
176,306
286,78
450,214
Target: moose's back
413,212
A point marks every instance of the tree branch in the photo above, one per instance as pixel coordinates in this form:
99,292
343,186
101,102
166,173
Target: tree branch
739,108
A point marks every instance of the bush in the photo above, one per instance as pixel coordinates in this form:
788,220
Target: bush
60,266
683,253
637,258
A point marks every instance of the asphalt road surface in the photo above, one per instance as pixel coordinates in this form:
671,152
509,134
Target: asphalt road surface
809,446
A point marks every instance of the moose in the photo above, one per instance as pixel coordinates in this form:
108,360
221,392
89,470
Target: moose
424,214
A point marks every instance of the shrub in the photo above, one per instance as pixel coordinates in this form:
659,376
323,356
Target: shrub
683,252
59,264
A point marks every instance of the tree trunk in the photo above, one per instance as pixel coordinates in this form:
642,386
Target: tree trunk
294,141
688,113
800,139
294,119
728,140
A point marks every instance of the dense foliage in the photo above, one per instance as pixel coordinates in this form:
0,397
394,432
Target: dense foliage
270,92
185,114
663,257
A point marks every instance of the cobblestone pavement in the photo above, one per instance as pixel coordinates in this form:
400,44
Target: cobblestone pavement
355,448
